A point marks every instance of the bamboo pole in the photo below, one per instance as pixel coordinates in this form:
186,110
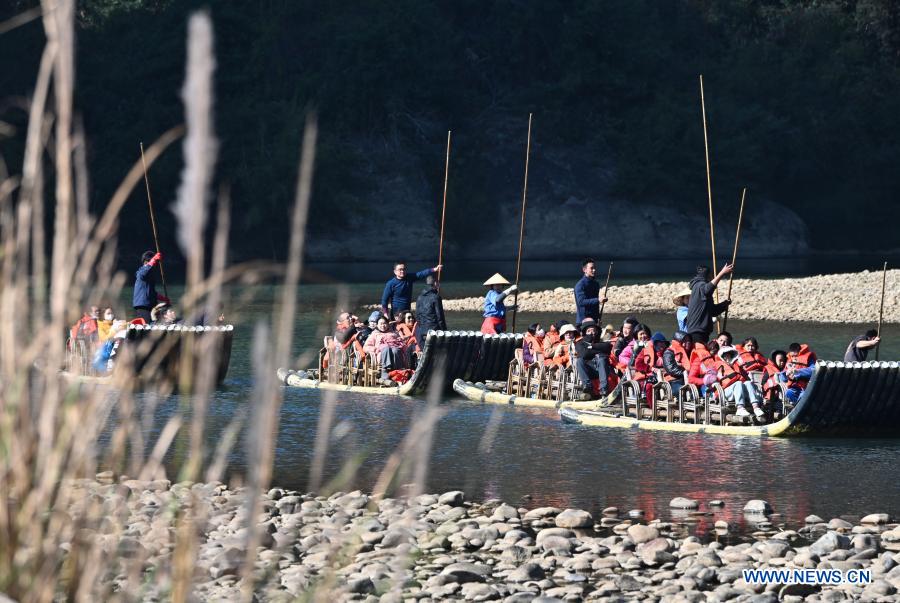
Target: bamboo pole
737,239
712,228
881,310
443,211
522,225
162,275
605,291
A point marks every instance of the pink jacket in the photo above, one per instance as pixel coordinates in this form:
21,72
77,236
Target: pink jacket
378,341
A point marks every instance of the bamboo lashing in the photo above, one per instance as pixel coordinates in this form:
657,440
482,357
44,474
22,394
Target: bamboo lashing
881,310
162,275
522,225
712,228
443,210
737,239
605,292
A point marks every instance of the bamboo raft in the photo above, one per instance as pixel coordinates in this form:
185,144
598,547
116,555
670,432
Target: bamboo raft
157,355
842,399
446,355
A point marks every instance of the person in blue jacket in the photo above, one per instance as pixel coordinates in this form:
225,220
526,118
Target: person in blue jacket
145,296
587,294
397,295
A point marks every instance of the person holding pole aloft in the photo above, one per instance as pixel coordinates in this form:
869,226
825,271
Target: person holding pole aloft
701,307
145,296
587,294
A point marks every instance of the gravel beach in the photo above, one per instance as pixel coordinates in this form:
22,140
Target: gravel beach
436,547
828,298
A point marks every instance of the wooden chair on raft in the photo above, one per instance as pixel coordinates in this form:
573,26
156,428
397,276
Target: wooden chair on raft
690,402
519,375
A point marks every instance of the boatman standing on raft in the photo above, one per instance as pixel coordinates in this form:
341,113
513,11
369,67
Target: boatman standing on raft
397,296
145,296
701,307
587,294
494,308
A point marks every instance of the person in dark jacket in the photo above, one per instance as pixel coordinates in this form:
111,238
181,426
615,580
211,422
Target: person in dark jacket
701,307
587,294
145,296
397,295
858,350
429,311
677,360
592,358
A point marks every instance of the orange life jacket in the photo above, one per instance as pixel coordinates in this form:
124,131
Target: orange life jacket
752,361
550,341
681,357
801,360
729,373
561,356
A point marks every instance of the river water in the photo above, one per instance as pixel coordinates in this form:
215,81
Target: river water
529,457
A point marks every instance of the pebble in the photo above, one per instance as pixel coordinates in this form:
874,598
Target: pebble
437,547
683,503
757,507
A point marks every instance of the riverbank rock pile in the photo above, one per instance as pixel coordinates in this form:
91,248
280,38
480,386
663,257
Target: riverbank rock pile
437,547
826,298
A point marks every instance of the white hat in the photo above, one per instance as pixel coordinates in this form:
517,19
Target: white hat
726,349
497,279
567,329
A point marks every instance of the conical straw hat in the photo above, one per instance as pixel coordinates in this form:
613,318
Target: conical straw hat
497,279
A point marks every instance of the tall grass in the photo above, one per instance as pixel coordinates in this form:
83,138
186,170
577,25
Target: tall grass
56,542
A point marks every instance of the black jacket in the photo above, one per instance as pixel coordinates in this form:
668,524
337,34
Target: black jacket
672,367
589,350
430,311
701,307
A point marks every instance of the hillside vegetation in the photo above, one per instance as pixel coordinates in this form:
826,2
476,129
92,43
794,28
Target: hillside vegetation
803,102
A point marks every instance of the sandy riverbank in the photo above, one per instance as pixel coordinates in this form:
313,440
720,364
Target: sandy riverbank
436,547
828,298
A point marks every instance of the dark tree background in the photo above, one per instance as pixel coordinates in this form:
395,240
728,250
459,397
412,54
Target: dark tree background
803,99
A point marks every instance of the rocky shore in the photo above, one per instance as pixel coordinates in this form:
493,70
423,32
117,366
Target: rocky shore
827,298
349,546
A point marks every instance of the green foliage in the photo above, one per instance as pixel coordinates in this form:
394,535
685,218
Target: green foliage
802,98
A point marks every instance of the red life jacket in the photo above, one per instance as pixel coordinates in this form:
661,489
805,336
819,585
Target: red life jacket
801,360
644,362
533,345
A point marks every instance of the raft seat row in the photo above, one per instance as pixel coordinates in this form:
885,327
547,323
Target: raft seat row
561,384
453,354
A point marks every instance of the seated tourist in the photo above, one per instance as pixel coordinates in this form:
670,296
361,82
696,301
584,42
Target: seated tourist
562,353
677,360
345,332
703,370
389,349
86,328
104,325
631,350
724,339
406,328
734,382
625,336
649,360
750,359
533,344
798,370
592,360
551,339
362,329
